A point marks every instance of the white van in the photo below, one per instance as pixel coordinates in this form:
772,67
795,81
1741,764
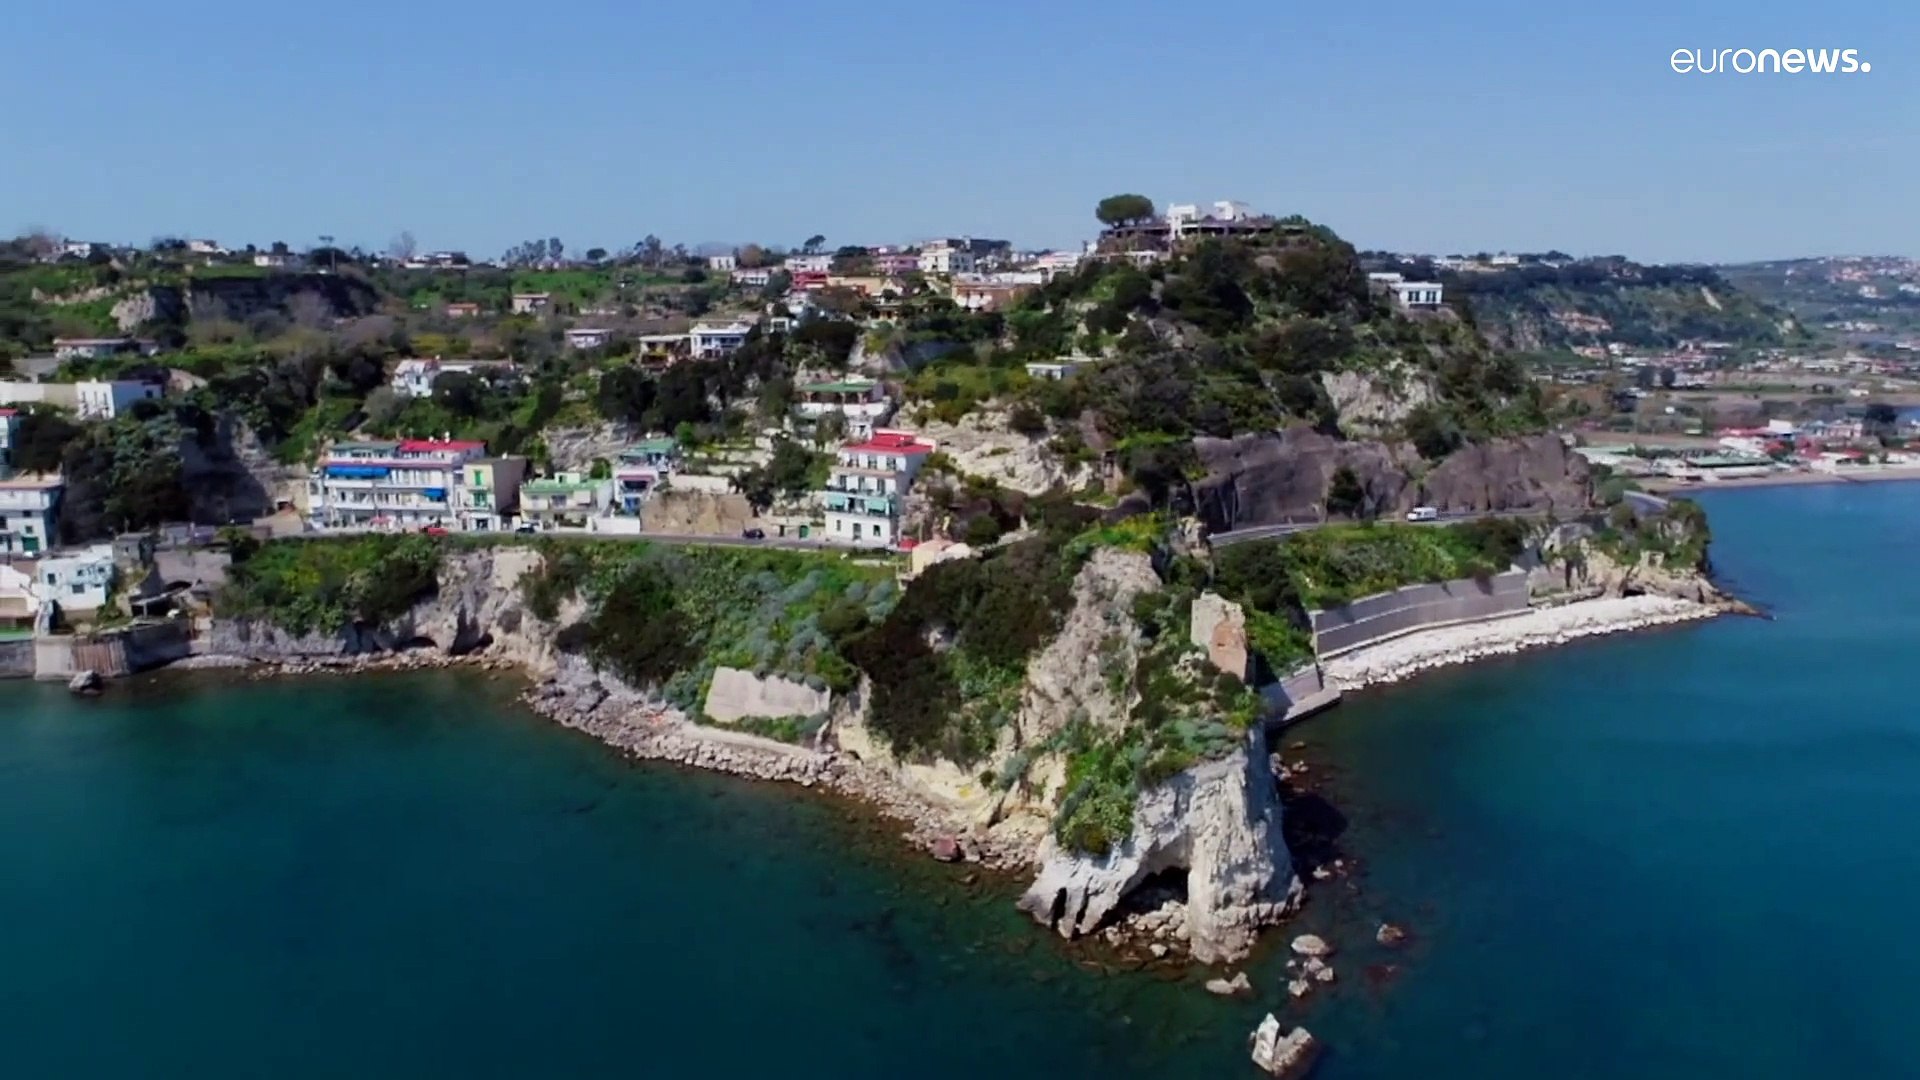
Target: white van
1423,513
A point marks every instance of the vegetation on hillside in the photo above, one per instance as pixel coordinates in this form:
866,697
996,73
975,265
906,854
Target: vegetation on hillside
326,586
1592,302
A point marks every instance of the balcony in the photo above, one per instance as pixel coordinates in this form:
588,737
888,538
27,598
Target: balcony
875,506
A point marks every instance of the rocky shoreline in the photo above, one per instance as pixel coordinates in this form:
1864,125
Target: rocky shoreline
1413,654
575,697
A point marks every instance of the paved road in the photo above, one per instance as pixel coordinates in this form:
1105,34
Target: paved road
1269,532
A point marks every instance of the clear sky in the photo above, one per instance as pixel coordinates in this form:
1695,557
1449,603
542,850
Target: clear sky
1467,125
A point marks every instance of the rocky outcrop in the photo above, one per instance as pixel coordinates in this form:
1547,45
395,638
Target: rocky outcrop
1275,479
1069,678
1288,1056
325,296
1571,562
1371,403
1220,822
982,445
1219,626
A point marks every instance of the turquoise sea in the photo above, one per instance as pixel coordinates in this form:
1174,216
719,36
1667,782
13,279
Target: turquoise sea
1685,853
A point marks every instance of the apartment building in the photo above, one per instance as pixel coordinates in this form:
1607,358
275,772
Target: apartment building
28,505
405,484
863,403
867,489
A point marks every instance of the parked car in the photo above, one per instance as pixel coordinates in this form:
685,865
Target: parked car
1423,513
526,528
753,534
434,530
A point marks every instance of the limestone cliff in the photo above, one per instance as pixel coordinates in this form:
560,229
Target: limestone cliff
1220,824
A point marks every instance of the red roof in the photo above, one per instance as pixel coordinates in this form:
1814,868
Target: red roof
891,442
6,412
418,446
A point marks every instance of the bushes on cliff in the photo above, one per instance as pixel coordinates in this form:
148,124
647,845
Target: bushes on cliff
303,586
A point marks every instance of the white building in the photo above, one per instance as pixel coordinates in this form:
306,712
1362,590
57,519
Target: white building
941,257
407,484
275,260
863,402
1053,370
754,278
205,247
27,507
709,340
415,377
1407,294
77,581
533,303
95,400
1054,263
9,434
809,264
723,263
867,490
588,338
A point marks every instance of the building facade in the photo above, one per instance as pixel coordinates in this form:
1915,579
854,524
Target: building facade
567,500
866,492
409,484
489,493
864,403
531,303
28,506
80,581
9,434
711,340
809,264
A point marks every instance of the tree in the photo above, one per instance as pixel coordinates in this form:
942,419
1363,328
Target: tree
814,243
1123,209
596,254
280,248
461,392
752,256
402,247
555,248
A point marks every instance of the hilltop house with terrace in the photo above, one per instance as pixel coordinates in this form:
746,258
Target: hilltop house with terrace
404,484
414,377
866,492
709,340
531,303
864,403
641,469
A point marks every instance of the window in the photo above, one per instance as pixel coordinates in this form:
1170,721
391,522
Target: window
77,590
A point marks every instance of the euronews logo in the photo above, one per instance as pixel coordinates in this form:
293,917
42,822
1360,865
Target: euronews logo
1769,62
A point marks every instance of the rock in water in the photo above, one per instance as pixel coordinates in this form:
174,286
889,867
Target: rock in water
84,682
1233,987
1312,945
1389,934
1287,1056
947,849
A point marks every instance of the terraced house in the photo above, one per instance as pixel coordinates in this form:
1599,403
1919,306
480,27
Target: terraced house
867,490
408,484
862,402
567,500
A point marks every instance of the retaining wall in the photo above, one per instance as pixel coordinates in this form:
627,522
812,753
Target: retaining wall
16,659
1385,615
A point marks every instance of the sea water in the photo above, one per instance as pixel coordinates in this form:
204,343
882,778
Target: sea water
1684,853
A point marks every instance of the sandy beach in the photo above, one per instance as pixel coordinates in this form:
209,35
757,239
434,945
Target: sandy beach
1404,657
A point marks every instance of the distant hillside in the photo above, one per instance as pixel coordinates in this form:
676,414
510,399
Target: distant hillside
1856,299
1599,301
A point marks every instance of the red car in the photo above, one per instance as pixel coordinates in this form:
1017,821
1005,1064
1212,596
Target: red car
434,530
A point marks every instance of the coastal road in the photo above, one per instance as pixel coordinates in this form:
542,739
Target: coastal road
1271,532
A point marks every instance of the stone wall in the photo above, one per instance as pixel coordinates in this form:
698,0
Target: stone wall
1375,618
736,694
16,659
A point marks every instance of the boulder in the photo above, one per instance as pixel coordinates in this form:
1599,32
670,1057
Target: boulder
1389,934
1288,1055
1312,945
85,682
1235,987
947,849
1219,626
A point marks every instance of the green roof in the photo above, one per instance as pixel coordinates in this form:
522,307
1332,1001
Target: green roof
851,386
369,445
664,445
558,487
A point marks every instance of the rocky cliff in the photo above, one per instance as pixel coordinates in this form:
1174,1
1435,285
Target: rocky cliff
1215,827
331,296
1272,479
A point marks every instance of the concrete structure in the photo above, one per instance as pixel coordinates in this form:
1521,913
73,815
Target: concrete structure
276,260
754,277
588,338
531,303
735,695
711,340
77,580
101,348
809,264
987,297
1054,370
723,263
409,484
489,493
1407,294
1376,618
868,487
933,552
864,403
95,400
462,310
568,500
28,508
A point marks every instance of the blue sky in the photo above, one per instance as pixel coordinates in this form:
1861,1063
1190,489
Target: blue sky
1436,127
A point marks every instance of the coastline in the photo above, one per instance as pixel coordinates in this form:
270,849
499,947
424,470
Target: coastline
1880,474
1411,655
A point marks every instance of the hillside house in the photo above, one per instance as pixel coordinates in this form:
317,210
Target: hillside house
276,260
756,277
567,500
490,492
462,309
415,377
101,348
77,580
589,338
28,507
867,489
1054,370
864,403
710,340
1406,294
809,264
9,434
641,469
945,257
537,303
723,264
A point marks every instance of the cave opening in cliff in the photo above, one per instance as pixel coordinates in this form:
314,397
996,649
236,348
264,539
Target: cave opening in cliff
1163,887
465,646
416,642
